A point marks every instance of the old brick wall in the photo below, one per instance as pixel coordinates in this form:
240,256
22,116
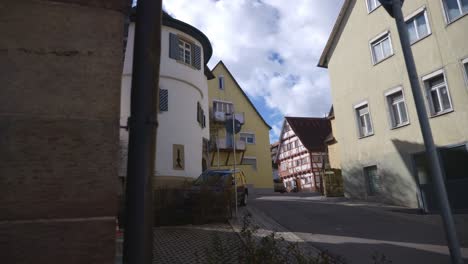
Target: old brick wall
60,70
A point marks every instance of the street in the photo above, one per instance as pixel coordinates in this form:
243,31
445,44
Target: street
356,230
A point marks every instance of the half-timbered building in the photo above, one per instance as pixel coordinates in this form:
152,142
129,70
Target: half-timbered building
302,153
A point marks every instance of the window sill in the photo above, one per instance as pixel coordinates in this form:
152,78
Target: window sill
384,59
420,39
186,64
366,136
456,19
400,126
448,111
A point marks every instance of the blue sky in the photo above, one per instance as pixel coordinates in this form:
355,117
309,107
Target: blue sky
271,47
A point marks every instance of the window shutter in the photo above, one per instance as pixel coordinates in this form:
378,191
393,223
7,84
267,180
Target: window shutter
173,46
198,113
196,51
163,100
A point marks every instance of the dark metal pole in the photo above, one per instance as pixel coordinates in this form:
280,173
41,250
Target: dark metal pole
138,238
431,150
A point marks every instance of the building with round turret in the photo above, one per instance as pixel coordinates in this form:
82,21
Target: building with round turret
183,130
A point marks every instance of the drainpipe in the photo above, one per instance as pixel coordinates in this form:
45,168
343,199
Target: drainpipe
138,237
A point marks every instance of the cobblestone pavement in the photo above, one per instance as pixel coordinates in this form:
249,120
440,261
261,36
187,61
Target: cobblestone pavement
194,244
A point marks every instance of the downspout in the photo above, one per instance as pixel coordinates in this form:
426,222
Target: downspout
138,239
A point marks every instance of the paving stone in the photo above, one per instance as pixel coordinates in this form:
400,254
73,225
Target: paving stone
194,244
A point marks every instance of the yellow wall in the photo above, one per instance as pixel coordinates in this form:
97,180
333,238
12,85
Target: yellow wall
262,177
354,79
334,150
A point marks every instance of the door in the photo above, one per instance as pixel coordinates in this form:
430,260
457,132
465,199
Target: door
373,180
455,169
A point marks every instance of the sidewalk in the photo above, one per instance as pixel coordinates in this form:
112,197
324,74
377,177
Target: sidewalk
191,244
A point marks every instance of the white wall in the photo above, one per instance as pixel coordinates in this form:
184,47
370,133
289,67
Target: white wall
186,86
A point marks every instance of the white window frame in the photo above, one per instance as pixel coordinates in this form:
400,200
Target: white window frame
446,15
425,80
181,45
225,106
221,82
246,135
377,40
361,133
413,16
388,96
251,158
465,70
377,4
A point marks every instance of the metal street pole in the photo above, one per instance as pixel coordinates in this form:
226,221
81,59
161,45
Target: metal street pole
431,150
138,237
234,150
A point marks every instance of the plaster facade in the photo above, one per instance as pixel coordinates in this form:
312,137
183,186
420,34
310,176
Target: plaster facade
355,79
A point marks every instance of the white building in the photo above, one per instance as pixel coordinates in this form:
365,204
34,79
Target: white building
183,130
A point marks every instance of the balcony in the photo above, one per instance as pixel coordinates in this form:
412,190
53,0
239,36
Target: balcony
223,116
224,145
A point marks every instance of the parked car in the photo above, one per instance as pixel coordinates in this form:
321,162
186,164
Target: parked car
222,180
279,186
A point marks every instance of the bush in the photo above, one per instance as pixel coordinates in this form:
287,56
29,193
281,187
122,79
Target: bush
272,249
181,206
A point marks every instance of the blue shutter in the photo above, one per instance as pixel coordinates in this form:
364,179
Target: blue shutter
196,51
163,100
173,46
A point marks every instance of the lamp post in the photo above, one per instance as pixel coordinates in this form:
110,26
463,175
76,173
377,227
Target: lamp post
393,7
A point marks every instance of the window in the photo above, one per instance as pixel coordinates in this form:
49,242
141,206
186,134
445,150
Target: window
163,100
201,119
222,107
250,161
372,4
283,166
418,26
381,48
465,69
184,51
373,180
221,82
248,138
437,93
364,120
397,108
455,9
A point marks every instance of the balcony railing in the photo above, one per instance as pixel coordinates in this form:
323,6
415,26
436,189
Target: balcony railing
223,144
222,117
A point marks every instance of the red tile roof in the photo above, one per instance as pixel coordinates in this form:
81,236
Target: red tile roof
311,131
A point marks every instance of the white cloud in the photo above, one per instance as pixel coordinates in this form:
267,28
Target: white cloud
246,33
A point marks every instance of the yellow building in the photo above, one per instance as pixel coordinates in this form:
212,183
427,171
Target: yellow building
333,149
252,143
376,125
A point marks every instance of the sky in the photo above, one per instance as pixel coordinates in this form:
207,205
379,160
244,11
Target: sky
272,48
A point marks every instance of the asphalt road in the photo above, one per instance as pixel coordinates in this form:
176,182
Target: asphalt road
357,231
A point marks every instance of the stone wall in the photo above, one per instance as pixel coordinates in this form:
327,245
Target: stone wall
60,67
